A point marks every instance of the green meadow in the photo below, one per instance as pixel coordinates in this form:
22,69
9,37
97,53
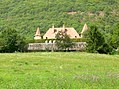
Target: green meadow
59,70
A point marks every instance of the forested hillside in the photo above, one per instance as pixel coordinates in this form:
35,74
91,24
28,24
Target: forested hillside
26,15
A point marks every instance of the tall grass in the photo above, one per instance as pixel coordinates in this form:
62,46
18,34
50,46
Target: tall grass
59,70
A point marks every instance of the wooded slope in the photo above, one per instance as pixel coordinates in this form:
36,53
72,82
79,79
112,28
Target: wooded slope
27,15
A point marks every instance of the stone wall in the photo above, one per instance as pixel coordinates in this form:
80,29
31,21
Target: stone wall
52,46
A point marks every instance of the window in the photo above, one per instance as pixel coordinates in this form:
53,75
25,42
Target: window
75,36
55,30
65,30
80,35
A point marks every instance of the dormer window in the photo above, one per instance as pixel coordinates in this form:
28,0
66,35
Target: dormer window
65,30
55,30
80,34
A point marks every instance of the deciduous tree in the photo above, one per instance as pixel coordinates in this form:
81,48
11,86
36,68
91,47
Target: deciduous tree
12,41
63,41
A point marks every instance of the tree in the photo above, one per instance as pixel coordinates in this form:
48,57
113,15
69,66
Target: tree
63,41
115,36
12,41
96,42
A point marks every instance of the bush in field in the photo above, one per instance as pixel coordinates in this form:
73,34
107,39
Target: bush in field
96,42
12,41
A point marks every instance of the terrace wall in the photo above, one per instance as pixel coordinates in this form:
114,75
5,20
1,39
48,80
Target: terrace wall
79,46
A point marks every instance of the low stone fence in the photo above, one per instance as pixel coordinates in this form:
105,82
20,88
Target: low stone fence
78,46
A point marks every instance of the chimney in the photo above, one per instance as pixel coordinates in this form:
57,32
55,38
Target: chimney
53,26
63,27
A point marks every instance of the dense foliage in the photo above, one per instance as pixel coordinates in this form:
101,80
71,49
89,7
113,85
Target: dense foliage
114,41
63,41
27,15
12,41
96,42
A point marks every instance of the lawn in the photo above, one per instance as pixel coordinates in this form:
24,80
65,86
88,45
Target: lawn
59,70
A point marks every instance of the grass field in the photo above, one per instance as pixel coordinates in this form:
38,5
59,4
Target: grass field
58,70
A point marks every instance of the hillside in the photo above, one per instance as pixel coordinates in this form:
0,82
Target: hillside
26,15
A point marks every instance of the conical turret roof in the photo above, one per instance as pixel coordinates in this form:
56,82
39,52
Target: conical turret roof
85,27
37,32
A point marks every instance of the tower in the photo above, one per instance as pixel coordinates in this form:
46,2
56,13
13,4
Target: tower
37,34
85,28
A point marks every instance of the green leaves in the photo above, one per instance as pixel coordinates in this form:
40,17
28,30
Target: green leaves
12,41
115,36
63,41
28,15
96,42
